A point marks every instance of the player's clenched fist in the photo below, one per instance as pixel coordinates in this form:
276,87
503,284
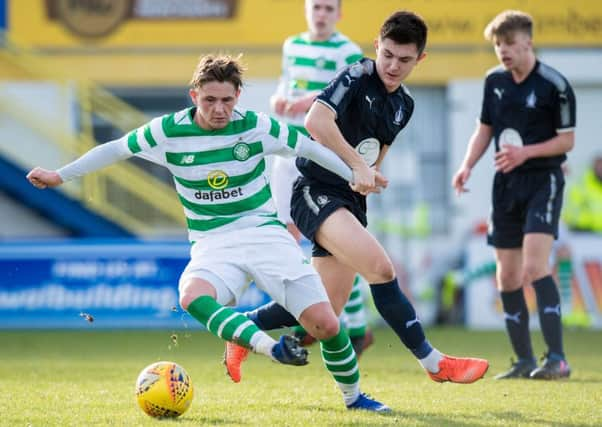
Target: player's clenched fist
363,178
42,178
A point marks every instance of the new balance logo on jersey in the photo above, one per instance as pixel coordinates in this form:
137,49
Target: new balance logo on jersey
552,310
187,160
411,323
370,101
498,92
222,194
513,317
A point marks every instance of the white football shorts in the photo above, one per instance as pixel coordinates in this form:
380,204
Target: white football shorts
267,255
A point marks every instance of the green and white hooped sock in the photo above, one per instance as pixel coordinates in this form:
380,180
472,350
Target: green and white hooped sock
340,360
354,311
230,325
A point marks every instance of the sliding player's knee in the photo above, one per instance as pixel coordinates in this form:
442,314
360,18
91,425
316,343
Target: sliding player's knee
320,321
326,327
193,289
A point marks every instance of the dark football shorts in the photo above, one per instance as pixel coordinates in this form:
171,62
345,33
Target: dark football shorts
312,202
524,202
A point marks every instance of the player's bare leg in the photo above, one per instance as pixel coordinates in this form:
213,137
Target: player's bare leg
354,247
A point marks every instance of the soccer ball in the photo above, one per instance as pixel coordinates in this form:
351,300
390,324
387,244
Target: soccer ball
164,390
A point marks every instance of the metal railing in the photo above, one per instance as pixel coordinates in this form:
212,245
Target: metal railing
123,193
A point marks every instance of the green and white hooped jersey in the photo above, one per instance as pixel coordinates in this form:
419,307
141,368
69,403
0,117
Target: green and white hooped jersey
310,65
220,176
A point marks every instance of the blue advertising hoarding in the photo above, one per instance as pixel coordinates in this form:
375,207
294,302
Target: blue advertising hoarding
100,284
3,14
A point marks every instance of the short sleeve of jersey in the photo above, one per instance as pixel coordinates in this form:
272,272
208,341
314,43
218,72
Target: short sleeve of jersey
282,139
486,116
350,53
565,115
341,90
143,141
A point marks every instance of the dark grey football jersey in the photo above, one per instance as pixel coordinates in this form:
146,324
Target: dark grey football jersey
364,109
529,112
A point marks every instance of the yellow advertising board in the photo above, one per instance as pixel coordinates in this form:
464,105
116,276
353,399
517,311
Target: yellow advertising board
140,30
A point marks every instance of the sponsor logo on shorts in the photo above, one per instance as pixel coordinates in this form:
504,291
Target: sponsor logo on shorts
322,200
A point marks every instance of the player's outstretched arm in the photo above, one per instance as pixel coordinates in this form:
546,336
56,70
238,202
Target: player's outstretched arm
95,159
326,158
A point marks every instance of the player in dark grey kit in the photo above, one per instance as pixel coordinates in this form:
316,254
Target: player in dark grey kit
529,111
358,116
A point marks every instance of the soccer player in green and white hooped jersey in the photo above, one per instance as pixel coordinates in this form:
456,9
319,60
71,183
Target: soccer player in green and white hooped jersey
216,155
310,60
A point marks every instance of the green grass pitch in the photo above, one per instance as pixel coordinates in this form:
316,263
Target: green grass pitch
65,378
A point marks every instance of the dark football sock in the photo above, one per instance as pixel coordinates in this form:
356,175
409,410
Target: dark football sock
271,316
548,306
517,323
398,312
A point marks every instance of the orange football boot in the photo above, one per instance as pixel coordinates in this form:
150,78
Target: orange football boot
462,370
234,355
